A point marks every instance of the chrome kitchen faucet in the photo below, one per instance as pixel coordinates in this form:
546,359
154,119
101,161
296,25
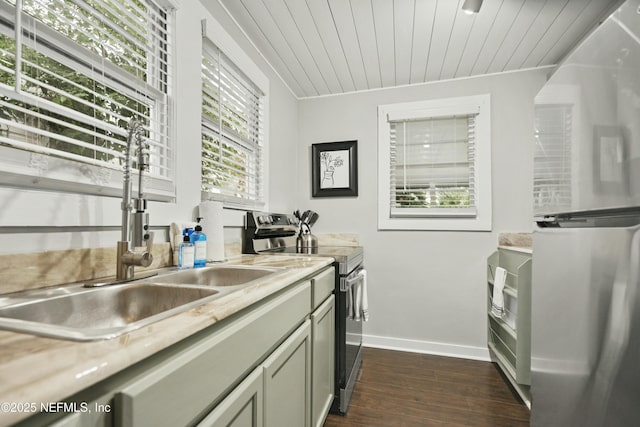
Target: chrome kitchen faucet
134,247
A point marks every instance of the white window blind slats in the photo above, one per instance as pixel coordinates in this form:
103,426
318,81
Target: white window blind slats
231,158
129,60
222,176
86,68
17,109
94,148
230,135
120,33
235,76
552,158
232,120
98,20
432,166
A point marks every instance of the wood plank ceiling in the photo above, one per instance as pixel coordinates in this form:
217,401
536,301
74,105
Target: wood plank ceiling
324,47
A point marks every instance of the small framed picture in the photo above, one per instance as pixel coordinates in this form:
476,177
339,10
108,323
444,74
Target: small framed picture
334,169
610,160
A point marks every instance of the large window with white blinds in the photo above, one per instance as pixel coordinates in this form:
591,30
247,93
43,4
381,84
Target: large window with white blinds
434,164
552,190
232,132
72,76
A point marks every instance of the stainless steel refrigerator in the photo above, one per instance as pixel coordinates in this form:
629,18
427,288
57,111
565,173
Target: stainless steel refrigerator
585,345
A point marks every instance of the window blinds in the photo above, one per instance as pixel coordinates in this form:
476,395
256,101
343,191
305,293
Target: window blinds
232,132
552,158
72,75
433,166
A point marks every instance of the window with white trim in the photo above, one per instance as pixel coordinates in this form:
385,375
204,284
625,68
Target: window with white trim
72,76
232,132
435,165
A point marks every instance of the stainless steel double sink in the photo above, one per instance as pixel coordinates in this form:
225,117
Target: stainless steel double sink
79,313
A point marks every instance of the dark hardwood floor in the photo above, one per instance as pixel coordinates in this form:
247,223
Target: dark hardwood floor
412,389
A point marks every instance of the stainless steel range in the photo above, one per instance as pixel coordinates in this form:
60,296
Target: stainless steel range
273,233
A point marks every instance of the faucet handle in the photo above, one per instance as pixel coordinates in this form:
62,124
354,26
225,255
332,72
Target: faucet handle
148,238
146,258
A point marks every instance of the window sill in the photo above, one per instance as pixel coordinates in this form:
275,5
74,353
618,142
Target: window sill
436,224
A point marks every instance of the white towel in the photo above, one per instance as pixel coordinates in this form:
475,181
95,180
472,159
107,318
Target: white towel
360,298
350,302
497,303
357,300
365,297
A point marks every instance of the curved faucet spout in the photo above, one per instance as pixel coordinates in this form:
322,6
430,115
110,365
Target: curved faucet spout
127,256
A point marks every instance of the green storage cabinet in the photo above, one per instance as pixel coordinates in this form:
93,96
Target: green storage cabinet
509,338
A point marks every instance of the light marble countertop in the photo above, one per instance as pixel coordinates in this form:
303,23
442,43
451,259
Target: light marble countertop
37,369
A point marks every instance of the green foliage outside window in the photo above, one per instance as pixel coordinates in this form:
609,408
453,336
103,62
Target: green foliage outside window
50,80
452,197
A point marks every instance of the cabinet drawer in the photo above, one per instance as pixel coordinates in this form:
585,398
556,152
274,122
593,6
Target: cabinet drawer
183,387
323,285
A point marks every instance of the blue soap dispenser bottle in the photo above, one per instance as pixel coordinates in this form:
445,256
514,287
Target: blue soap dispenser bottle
199,239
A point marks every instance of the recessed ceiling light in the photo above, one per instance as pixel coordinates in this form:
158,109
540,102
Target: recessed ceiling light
471,6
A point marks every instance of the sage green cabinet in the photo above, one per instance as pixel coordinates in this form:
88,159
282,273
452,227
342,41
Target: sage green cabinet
181,387
242,407
509,337
287,381
268,365
322,355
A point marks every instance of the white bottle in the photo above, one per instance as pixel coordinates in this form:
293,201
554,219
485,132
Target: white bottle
186,253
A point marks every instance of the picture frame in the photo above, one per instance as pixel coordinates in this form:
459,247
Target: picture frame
334,169
609,160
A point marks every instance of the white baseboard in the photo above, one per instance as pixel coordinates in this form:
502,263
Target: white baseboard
427,347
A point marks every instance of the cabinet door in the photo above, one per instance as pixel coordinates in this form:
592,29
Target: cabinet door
287,381
322,361
242,407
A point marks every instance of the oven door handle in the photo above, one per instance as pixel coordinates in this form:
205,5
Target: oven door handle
350,280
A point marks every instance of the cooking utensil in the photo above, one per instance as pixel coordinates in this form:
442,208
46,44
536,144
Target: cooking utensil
312,219
305,217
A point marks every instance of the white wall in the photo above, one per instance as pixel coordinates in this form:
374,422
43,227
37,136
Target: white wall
427,289
65,221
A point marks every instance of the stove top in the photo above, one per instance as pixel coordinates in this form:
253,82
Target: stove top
275,233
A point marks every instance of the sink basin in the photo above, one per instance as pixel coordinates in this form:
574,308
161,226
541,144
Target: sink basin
228,275
79,313
99,313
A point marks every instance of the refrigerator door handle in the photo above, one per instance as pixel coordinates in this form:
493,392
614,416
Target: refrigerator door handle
617,333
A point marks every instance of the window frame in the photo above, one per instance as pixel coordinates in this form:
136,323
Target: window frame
212,31
438,220
34,168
